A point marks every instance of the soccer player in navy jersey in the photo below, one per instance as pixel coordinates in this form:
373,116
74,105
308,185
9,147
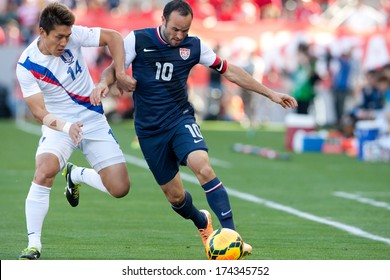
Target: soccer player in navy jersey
169,136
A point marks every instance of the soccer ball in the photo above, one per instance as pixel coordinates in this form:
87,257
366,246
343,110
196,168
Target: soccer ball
224,244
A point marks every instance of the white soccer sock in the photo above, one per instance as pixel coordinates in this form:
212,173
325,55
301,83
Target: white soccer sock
88,176
37,205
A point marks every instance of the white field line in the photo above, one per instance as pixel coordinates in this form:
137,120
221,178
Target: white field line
220,163
363,199
251,198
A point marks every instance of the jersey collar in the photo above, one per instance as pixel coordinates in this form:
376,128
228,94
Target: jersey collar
159,36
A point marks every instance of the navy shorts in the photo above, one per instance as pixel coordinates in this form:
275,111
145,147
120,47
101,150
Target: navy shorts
166,151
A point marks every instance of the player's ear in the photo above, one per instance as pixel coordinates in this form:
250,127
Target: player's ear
42,32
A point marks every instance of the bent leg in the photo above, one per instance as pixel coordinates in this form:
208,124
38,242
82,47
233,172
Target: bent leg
181,202
116,179
216,194
113,179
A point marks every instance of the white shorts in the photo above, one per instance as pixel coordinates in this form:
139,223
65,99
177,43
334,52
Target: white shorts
98,145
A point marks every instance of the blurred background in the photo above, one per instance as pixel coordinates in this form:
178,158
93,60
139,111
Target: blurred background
332,55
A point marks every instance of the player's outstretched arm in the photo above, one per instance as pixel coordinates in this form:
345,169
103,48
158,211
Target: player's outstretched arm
242,78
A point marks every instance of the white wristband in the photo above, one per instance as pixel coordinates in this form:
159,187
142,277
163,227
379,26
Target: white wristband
66,127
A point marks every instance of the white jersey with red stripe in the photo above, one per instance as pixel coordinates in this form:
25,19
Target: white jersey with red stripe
64,81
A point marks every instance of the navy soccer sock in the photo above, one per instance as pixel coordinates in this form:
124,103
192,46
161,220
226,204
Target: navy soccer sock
188,211
218,200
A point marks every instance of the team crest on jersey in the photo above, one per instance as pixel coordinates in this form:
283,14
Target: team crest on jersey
67,57
185,53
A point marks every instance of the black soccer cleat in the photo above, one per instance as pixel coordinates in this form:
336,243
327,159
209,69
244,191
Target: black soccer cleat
72,190
31,253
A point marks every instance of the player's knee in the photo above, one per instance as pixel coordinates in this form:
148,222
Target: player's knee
120,190
206,173
174,198
44,177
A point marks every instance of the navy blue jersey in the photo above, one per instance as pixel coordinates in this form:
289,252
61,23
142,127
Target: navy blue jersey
161,71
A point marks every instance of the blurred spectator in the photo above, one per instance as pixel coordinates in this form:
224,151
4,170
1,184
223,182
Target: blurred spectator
8,12
113,4
215,93
269,8
342,82
386,73
204,9
253,64
371,102
304,79
383,115
228,11
13,34
28,15
371,98
306,10
386,107
5,111
10,34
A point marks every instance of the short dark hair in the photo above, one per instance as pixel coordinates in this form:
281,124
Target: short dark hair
180,6
55,14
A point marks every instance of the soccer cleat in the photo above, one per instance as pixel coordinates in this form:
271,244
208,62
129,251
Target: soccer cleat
205,233
31,253
71,189
247,250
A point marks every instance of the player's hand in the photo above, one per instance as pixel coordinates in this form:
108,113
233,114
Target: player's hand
76,132
125,83
100,90
284,100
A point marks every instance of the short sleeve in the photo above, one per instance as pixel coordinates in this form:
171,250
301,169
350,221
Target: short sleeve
27,81
130,53
207,55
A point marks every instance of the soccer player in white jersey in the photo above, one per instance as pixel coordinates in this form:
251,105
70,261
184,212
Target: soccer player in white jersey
169,136
56,86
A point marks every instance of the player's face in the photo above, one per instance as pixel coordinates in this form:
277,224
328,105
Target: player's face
55,42
175,29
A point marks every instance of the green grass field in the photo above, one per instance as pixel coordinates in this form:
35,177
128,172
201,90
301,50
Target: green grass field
287,210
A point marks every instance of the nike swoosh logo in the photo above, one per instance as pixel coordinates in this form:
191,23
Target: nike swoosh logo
223,214
220,68
197,141
149,50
